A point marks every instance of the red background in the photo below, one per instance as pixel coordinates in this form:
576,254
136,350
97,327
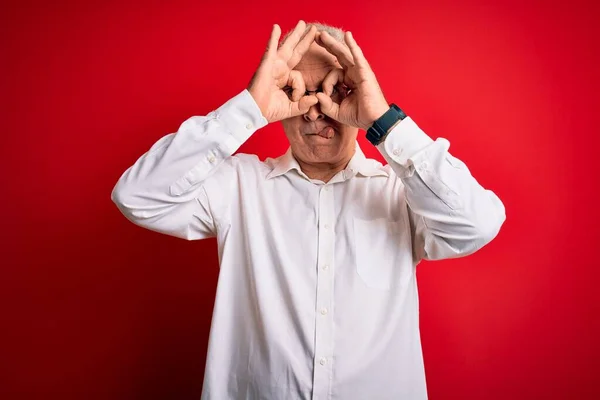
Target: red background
95,307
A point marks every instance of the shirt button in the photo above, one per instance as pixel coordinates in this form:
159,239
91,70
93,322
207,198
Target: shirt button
323,361
326,188
397,152
424,166
324,267
326,226
211,159
323,311
249,126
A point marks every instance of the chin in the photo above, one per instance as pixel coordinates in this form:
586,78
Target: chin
325,153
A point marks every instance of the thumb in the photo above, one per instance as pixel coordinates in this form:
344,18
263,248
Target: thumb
302,106
328,106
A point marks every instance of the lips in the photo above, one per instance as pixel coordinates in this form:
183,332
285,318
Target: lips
327,132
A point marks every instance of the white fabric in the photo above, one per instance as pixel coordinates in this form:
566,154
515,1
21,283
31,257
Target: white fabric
317,295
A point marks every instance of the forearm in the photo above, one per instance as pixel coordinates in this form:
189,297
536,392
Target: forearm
173,170
454,213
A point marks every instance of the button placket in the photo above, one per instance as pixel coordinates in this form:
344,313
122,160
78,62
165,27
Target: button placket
324,301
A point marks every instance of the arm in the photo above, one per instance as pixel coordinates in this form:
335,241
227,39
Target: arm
452,215
168,189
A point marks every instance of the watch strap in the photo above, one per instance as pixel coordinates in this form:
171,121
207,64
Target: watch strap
376,133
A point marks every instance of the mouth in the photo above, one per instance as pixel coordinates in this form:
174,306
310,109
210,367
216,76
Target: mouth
328,133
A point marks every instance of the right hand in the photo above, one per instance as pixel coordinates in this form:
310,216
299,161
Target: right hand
276,72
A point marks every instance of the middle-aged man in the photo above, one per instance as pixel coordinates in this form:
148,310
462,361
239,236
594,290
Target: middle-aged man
317,293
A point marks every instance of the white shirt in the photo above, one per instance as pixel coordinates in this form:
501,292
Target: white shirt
317,293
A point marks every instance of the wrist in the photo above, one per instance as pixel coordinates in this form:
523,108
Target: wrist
378,113
381,127
259,100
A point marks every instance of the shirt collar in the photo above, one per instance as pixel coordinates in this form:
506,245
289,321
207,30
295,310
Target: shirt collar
358,164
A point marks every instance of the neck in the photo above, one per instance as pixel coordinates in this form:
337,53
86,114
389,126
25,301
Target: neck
323,171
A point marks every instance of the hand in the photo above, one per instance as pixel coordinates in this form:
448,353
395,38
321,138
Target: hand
365,102
276,72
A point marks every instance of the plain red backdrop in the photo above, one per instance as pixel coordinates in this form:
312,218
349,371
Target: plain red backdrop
95,307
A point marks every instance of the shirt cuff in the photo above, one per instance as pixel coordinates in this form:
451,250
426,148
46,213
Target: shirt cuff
241,116
404,142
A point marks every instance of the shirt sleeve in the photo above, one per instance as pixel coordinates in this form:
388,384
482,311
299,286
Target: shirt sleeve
165,191
451,214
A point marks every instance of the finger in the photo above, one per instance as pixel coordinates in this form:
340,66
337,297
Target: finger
355,50
302,106
269,54
328,106
291,41
273,41
336,48
296,82
302,47
334,77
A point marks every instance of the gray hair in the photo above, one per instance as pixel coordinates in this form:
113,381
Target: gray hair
337,33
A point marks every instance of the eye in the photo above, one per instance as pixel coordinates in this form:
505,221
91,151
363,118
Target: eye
288,92
343,90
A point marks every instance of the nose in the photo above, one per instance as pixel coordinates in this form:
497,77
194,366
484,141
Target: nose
313,114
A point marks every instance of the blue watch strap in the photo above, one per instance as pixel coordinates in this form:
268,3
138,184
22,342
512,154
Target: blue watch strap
380,128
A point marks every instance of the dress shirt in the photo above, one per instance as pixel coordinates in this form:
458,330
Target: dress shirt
317,292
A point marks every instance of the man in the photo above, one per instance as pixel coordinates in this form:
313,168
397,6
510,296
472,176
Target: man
317,294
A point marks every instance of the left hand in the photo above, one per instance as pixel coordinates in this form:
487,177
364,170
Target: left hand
365,102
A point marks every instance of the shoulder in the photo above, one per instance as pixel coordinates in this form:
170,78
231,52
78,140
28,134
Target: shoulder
375,168
251,164
245,159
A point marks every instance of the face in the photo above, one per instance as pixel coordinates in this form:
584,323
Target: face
336,144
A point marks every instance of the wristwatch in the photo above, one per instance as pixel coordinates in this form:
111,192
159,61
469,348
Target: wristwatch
377,133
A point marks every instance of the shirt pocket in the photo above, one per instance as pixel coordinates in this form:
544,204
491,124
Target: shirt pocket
382,252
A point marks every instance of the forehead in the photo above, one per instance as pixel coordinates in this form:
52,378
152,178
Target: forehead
315,64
